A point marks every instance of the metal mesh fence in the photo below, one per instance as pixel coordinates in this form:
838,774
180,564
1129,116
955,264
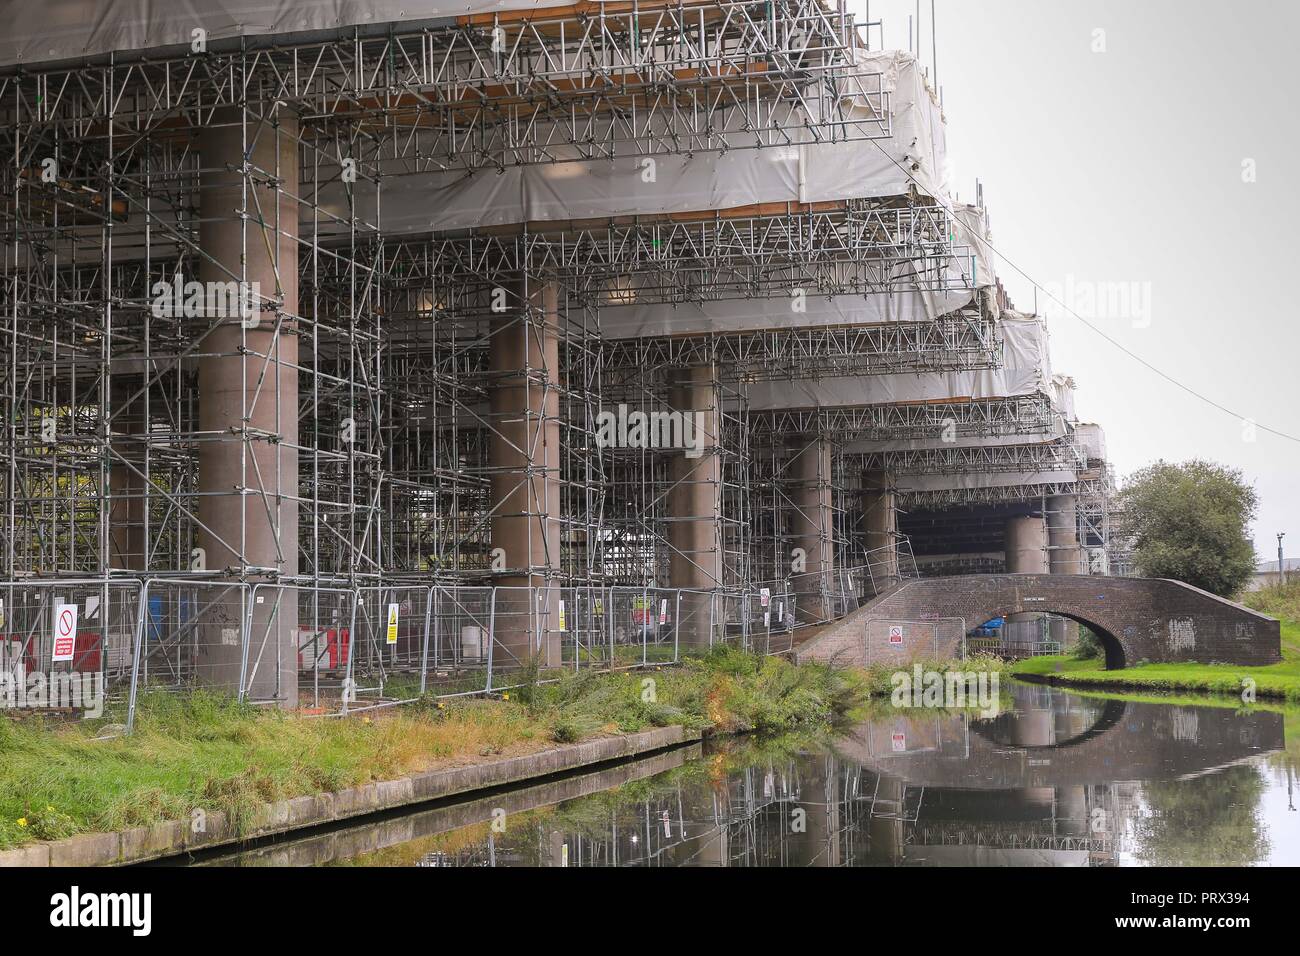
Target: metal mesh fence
68,646
190,634
460,640
327,650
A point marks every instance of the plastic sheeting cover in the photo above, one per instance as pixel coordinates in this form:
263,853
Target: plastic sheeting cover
1026,370
54,30
921,304
915,154
974,480
1093,439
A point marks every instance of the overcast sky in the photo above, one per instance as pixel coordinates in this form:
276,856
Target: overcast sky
1122,172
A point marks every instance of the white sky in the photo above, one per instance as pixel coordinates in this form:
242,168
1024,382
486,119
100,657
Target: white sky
1125,167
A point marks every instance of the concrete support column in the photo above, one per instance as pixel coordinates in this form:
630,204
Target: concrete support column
880,527
1026,545
248,392
812,519
1065,553
524,458
1026,553
127,533
695,497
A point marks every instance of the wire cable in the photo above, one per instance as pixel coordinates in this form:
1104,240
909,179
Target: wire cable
1069,311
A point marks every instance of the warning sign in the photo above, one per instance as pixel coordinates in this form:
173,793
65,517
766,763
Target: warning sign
898,742
765,597
663,611
392,623
562,627
895,634
65,631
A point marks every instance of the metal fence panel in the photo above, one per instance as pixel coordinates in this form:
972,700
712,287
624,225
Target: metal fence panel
192,634
460,640
67,646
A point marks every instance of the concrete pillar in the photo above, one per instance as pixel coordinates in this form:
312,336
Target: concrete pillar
880,527
524,458
1066,555
695,499
1026,545
808,488
1026,553
248,393
127,532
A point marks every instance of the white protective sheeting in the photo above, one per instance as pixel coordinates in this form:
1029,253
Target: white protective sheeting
1056,430
1092,439
915,154
1063,396
53,30
737,315
920,304
1026,370
974,480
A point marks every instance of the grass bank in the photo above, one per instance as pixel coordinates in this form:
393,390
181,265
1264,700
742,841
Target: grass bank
1278,681
208,752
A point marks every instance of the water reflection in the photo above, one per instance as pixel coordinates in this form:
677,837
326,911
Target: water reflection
1061,780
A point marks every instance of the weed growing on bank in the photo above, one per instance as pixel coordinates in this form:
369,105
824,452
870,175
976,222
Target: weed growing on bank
204,751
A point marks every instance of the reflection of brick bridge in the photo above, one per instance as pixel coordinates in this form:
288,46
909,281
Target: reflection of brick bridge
1137,619
1120,741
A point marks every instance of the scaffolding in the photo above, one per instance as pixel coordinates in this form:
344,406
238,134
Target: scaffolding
225,369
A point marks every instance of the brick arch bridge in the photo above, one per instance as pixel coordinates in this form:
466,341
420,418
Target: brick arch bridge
1136,619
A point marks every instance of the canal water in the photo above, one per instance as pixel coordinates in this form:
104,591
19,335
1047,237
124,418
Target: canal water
1056,779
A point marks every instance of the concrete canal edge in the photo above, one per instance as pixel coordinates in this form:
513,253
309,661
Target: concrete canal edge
352,839
174,837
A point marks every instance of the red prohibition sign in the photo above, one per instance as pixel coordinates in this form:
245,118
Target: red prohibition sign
65,623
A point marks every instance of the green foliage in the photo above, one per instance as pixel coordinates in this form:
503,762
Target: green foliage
1212,820
1088,646
1190,523
47,823
1278,600
206,751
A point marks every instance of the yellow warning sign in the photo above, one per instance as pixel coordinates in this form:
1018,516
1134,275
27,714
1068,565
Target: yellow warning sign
392,624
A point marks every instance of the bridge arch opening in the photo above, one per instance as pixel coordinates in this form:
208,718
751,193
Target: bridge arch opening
1111,648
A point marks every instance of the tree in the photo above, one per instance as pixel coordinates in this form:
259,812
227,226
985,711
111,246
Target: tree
1189,522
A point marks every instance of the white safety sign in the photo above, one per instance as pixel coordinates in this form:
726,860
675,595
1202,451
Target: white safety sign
895,634
65,631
